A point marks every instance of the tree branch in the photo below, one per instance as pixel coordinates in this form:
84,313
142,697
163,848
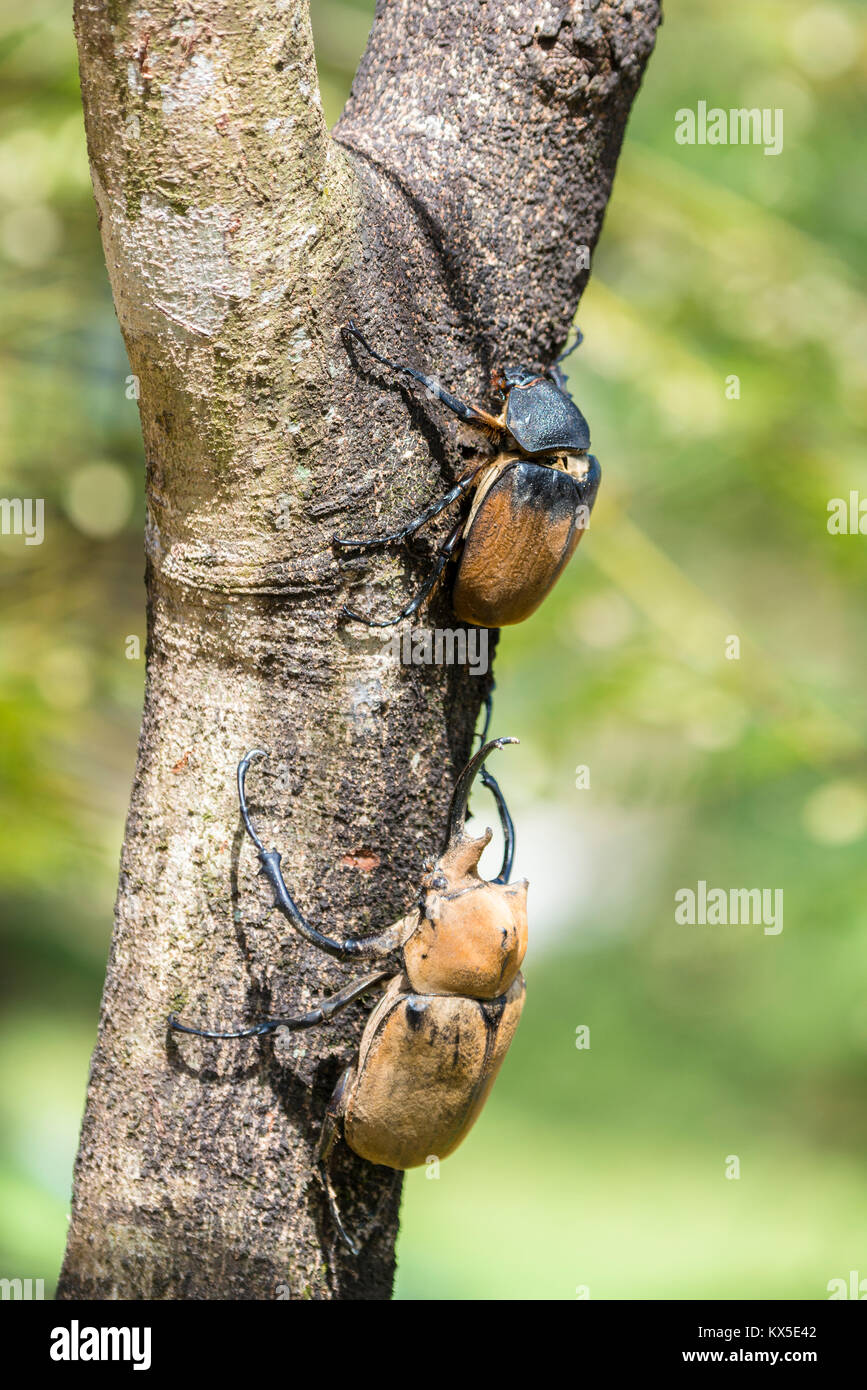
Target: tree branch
503,123
239,238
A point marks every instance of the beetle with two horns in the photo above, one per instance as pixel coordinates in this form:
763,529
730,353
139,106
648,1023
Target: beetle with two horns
531,502
453,994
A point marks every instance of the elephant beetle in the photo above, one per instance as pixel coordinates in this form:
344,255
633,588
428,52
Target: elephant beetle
530,504
453,994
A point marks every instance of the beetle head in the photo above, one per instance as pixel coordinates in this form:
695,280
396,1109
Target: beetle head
503,379
518,376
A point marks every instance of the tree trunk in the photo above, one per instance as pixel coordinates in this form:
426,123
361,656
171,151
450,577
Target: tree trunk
447,215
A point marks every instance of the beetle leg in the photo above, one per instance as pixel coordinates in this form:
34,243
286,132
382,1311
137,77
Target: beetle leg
555,372
469,413
506,822
327,1009
489,709
507,825
353,948
392,537
443,556
328,1137
558,376
567,352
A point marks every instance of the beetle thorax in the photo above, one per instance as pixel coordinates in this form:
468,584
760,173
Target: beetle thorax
472,934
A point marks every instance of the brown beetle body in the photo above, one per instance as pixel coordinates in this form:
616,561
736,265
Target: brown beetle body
526,520
530,504
471,936
433,1045
425,1068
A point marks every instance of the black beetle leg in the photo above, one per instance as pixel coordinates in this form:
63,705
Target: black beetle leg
327,1009
508,827
328,1137
558,376
489,708
353,948
488,780
579,339
392,537
493,787
554,371
443,556
471,414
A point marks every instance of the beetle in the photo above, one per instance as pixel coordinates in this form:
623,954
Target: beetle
453,995
530,504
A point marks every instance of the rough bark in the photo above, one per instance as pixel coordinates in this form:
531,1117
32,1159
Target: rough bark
474,159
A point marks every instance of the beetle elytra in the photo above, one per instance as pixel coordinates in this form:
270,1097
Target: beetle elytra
531,501
453,995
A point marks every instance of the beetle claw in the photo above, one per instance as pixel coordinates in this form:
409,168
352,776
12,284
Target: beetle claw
348,612
371,622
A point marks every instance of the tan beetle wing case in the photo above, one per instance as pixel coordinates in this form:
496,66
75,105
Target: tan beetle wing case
425,1068
516,545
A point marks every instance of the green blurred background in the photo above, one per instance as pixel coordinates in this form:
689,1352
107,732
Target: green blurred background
600,1169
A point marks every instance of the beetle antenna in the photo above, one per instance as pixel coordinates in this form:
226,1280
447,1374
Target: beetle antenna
579,339
458,812
242,777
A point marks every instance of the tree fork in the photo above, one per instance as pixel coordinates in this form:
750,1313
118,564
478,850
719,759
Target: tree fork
447,215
